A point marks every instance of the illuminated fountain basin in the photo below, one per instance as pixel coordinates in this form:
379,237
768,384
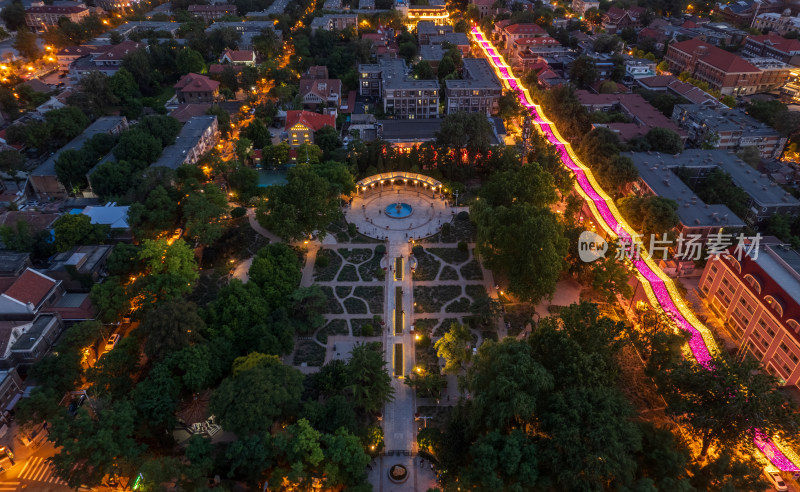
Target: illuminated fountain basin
399,210
398,473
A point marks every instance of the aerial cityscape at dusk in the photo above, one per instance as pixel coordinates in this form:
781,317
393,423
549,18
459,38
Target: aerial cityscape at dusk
399,245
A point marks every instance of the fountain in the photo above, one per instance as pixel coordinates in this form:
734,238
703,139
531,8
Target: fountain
398,473
399,210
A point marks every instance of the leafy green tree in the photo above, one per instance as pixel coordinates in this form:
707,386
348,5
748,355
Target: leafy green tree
188,60
123,86
470,131
223,119
112,179
157,214
204,211
528,184
243,148
111,299
163,127
72,166
583,71
112,377
11,163
244,181
260,391
138,147
728,472
427,385
724,402
258,134
423,71
650,215
66,123
454,347
95,96
505,236
95,443
332,414
308,306
277,270
304,205
327,138
13,16
664,140
25,44
74,229
170,270
368,382
170,327
338,176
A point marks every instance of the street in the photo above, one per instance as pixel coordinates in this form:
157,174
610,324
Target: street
31,470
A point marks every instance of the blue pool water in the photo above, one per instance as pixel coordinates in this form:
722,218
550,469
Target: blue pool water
399,210
269,178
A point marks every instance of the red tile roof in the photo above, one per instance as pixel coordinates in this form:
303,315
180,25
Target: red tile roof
543,41
615,14
777,42
321,87
82,50
530,29
119,51
52,9
220,7
716,57
314,121
31,286
192,82
239,55
187,111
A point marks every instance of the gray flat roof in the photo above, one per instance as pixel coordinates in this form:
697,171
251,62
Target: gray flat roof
782,265
30,337
174,155
394,74
478,74
247,26
103,125
431,52
726,120
410,129
692,211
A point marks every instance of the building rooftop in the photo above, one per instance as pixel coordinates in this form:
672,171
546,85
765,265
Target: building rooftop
454,38
219,7
31,287
193,82
244,26
782,265
692,211
776,42
432,52
174,155
716,57
395,75
11,263
185,112
526,29
478,73
28,339
82,258
104,124
724,119
636,106
111,215
410,130
311,120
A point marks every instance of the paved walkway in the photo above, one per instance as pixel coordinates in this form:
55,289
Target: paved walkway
428,213
251,216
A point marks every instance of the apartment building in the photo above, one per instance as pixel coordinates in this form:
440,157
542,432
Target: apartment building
758,300
478,92
198,136
335,22
773,46
782,23
403,96
44,17
581,6
212,12
724,71
727,129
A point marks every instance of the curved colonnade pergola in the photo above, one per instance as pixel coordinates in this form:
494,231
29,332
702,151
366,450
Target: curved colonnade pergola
421,181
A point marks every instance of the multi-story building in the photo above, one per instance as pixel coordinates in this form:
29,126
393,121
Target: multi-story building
196,88
44,17
44,179
198,136
248,30
581,6
212,12
403,96
645,117
773,46
510,35
478,92
335,22
435,11
728,129
742,12
617,19
639,68
69,54
723,70
758,300
301,125
427,29
782,23
765,197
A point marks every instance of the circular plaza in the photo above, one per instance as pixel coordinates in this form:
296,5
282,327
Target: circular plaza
398,206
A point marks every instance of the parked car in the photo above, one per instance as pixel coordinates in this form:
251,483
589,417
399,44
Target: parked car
776,480
112,341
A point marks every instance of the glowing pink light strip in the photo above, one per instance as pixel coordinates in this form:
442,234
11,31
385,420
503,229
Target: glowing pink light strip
696,343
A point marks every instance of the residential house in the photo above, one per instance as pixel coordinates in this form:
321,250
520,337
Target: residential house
43,179
196,88
456,39
742,12
639,68
511,34
65,56
428,29
727,129
301,125
723,70
79,268
477,92
326,93
617,19
41,18
239,57
248,30
212,12
773,46
107,61
198,136
757,296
